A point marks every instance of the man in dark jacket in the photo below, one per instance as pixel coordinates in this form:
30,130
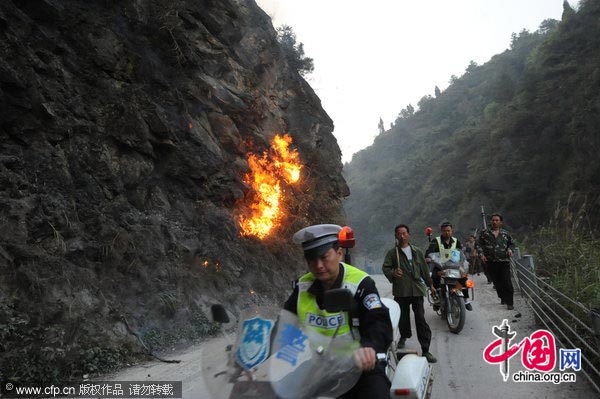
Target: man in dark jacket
326,271
405,267
495,248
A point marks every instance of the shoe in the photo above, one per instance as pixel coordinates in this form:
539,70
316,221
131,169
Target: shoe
468,306
436,307
401,343
430,358
510,307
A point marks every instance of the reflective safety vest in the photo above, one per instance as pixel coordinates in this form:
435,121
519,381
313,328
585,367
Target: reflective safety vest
319,319
446,253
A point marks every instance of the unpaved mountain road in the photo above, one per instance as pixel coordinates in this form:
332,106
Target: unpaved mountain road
460,372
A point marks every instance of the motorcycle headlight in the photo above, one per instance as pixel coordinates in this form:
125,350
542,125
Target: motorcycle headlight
453,273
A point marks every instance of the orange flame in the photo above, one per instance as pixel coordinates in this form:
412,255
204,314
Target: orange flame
289,161
267,171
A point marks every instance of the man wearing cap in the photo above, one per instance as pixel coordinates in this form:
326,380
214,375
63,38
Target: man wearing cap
405,267
326,271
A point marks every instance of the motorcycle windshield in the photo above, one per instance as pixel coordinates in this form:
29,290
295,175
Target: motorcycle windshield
435,257
233,365
273,356
456,261
307,364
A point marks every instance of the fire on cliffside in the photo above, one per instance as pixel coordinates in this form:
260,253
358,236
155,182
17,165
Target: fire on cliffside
276,165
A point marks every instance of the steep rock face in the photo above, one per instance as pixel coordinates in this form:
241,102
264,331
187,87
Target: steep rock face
124,132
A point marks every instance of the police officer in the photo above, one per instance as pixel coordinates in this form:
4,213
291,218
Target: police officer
444,245
326,271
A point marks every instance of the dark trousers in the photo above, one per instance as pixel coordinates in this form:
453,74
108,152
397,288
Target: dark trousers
484,265
500,274
423,330
372,384
475,265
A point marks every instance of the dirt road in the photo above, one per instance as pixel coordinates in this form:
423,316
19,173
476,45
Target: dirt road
459,373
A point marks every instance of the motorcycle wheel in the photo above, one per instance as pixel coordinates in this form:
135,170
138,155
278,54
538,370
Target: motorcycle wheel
456,314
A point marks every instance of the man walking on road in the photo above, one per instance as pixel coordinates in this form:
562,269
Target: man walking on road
405,267
495,249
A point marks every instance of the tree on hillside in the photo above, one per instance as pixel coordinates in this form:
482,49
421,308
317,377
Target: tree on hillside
380,126
425,102
472,66
437,91
406,112
567,10
519,39
548,25
502,88
293,51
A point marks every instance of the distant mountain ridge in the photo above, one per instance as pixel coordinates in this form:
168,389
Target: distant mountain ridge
518,135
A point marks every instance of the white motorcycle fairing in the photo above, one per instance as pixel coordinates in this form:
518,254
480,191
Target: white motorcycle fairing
413,376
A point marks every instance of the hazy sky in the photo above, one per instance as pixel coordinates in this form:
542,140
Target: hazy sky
372,58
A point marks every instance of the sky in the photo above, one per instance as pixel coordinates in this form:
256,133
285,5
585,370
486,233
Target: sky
373,58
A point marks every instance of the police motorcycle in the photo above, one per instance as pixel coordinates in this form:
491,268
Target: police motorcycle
450,300
274,355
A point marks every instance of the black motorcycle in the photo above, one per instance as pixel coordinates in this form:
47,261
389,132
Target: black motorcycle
450,301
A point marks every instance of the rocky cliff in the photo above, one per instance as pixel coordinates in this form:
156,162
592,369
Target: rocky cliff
124,133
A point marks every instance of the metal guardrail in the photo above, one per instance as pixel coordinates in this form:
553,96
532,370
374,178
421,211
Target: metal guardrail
561,315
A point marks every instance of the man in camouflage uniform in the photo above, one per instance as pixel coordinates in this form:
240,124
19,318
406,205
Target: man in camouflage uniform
495,249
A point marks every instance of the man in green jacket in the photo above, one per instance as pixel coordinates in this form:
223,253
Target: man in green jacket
405,267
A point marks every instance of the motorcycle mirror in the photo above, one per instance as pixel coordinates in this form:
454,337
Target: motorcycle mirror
338,300
428,231
219,314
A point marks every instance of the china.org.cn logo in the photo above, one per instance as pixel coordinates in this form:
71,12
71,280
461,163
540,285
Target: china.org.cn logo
538,356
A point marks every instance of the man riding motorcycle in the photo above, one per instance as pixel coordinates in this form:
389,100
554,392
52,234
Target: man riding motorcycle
444,245
326,271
